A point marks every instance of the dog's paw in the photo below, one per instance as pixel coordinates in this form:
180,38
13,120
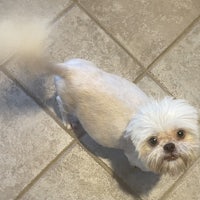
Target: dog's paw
67,125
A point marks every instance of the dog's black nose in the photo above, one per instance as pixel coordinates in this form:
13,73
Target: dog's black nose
169,147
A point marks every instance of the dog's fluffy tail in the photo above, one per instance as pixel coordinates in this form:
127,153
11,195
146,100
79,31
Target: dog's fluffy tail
27,40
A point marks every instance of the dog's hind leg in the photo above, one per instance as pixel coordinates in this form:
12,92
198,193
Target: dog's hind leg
63,113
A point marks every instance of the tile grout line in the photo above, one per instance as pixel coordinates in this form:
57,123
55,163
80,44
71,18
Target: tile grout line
140,77
109,34
110,171
179,38
181,178
6,60
154,79
46,168
162,86
61,14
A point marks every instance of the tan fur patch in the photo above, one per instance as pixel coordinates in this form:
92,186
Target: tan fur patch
164,138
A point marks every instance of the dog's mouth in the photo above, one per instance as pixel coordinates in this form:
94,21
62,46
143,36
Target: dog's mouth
171,157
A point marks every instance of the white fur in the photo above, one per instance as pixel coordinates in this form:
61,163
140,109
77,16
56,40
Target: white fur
160,116
117,114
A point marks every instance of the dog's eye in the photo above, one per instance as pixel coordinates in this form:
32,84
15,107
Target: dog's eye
181,133
153,141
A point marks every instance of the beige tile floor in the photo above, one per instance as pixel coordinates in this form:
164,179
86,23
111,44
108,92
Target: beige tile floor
155,43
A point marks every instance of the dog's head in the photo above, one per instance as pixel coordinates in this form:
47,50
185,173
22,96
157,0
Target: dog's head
165,134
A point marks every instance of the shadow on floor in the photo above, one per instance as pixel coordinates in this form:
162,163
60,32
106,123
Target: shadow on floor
140,182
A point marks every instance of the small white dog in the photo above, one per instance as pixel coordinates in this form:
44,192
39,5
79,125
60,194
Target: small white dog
159,136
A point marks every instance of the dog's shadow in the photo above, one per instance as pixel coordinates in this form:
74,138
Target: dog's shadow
139,182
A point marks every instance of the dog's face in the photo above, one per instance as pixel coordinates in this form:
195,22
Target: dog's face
170,151
165,135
